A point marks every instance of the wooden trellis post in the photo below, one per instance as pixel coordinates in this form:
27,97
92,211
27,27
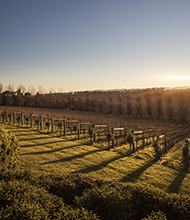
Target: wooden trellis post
94,132
31,121
22,119
165,144
41,122
78,130
64,127
52,125
153,138
146,136
186,155
113,138
125,134
14,117
136,139
11,117
143,139
6,116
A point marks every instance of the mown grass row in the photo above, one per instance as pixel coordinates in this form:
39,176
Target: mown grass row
53,154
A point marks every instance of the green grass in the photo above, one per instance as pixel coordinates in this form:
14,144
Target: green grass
62,155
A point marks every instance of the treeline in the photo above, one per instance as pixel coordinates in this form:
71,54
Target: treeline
155,103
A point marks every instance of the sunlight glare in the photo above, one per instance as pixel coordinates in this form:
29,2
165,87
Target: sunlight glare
180,77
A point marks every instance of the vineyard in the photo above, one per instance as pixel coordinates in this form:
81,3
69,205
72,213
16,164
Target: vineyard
115,144
99,133
92,164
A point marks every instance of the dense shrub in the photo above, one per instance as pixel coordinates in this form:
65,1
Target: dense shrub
156,216
109,202
68,187
9,152
148,198
21,200
28,195
133,201
107,199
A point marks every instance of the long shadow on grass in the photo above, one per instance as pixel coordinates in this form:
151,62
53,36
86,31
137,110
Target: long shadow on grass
175,185
35,138
44,137
47,143
136,173
51,151
99,166
24,133
18,129
66,159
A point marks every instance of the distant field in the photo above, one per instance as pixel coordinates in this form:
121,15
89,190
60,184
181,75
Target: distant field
53,154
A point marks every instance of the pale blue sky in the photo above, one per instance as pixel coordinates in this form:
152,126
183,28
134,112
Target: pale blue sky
95,44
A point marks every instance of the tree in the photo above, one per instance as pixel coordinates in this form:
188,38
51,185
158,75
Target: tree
120,109
40,90
148,106
10,87
170,112
1,87
159,108
139,110
32,90
129,108
21,88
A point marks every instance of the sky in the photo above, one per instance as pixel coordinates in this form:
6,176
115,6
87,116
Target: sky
95,44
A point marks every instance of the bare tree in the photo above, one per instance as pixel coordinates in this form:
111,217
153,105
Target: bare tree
40,90
1,87
10,88
60,90
22,88
51,90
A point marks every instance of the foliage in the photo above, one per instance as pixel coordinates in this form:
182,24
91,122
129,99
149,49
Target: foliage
156,216
157,149
37,122
9,151
91,133
27,121
108,201
159,103
75,128
130,138
47,124
18,119
47,196
21,200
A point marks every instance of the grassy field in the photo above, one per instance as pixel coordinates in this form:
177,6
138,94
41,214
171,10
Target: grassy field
54,154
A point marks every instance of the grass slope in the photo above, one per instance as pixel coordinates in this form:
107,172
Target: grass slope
52,154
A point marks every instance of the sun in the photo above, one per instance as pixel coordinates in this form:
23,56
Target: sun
180,77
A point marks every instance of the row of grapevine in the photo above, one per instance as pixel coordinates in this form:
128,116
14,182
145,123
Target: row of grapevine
114,136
